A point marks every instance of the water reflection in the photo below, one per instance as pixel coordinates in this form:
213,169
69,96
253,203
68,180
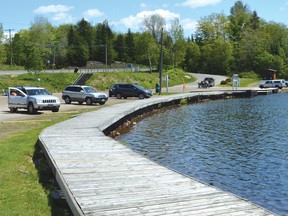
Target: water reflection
238,145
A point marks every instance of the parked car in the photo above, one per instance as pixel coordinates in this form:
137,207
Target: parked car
273,84
83,93
31,98
125,90
210,80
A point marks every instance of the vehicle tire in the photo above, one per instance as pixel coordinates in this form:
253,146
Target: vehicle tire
31,108
55,110
141,96
101,103
88,101
118,96
67,100
261,86
13,109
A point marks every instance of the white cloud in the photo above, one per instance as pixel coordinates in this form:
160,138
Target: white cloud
189,26
143,5
60,13
200,3
52,9
135,22
59,17
92,13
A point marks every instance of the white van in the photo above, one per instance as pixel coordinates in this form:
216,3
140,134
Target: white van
273,84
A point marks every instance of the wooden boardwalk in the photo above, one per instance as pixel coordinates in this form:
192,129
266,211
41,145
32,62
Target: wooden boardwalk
100,176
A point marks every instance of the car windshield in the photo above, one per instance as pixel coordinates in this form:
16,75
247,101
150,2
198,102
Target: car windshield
37,92
140,87
90,89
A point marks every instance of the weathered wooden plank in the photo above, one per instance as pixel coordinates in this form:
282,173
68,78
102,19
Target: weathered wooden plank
104,177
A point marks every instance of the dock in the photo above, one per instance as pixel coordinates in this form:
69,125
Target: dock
100,176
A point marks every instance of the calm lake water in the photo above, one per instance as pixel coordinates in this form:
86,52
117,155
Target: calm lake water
238,145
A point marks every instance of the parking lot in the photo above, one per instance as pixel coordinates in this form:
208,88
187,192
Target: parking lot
22,115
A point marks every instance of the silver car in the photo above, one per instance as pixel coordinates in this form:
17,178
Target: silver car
82,93
32,98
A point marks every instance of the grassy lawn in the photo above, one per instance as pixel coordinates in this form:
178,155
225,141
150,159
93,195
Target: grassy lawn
26,180
244,82
56,82
248,82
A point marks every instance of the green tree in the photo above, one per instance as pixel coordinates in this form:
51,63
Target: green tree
21,46
2,47
104,43
179,44
255,22
60,45
215,57
130,44
239,20
77,52
41,35
84,30
192,58
168,55
120,48
34,62
154,24
147,51
213,26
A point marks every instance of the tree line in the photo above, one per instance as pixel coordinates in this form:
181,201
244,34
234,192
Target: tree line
222,44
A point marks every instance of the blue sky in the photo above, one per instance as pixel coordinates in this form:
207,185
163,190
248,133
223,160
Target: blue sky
124,14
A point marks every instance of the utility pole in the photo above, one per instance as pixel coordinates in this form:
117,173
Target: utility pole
161,61
53,58
106,56
10,38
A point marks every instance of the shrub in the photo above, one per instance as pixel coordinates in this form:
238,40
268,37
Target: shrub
223,82
249,75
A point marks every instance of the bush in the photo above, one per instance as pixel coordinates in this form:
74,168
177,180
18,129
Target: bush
223,82
249,75
228,80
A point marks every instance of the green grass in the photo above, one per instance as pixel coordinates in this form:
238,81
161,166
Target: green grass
247,82
244,82
10,68
55,82
26,180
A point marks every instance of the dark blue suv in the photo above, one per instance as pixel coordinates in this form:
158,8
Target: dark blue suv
125,90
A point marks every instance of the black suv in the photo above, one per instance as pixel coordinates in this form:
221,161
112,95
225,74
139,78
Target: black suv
210,80
125,90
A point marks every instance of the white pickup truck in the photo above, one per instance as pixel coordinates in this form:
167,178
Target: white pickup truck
32,98
273,84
